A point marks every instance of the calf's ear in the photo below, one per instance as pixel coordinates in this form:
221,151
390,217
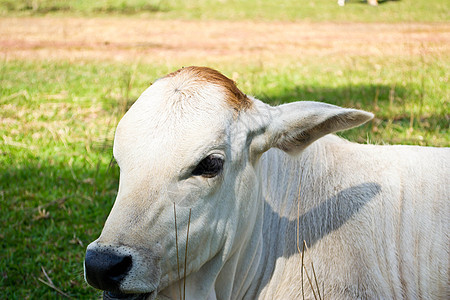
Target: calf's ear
294,126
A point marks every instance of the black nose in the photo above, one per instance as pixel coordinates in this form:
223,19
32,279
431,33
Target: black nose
105,270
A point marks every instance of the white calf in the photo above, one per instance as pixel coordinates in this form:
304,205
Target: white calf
256,181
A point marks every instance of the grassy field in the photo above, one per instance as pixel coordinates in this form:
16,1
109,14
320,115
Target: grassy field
58,114
287,10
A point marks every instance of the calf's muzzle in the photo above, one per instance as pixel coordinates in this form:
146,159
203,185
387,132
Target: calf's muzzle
105,270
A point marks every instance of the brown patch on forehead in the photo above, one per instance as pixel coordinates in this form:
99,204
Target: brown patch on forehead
234,97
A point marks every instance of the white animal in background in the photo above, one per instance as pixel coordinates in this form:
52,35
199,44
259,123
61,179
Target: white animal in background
370,2
252,182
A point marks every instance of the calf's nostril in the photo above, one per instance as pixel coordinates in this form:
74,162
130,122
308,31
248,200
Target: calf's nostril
105,270
121,267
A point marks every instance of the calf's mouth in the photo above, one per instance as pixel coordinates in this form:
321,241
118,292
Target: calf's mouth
117,295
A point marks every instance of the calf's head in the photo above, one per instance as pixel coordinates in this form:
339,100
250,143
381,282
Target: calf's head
191,143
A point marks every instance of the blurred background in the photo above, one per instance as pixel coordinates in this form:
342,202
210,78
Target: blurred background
70,69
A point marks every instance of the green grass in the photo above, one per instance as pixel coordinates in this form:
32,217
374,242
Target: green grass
286,10
56,182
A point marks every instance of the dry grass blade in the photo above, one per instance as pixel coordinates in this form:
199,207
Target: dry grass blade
303,265
315,279
298,235
310,283
176,245
298,220
185,255
23,93
323,289
50,284
318,295
59,202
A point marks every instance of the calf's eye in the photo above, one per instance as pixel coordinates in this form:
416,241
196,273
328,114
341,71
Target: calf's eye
209,167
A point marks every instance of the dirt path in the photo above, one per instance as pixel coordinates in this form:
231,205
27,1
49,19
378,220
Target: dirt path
125,39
